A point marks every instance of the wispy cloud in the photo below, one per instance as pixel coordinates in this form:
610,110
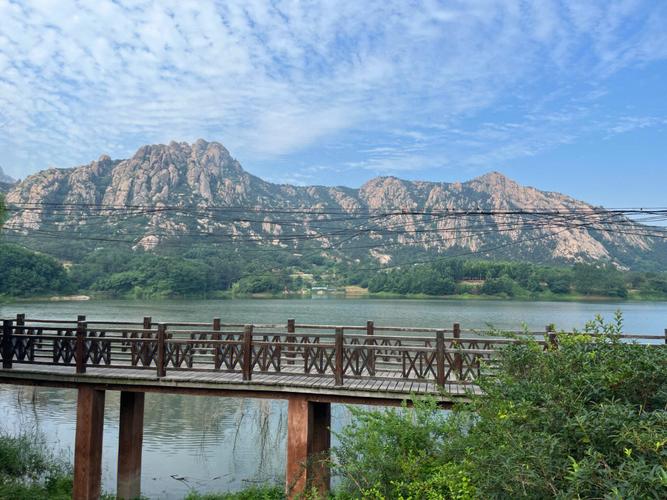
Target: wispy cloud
407,85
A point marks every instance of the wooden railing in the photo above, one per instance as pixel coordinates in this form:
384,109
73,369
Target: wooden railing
344,353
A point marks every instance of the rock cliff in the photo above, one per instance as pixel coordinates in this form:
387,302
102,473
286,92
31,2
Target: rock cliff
198,192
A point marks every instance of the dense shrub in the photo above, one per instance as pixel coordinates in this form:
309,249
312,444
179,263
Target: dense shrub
253,493
588,420
29,471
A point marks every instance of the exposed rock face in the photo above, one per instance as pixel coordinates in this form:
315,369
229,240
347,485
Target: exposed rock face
203,175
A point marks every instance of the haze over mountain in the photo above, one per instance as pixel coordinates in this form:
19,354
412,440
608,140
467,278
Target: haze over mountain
173,187
4,178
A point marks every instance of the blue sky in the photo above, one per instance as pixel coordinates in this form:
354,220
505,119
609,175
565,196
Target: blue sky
563,95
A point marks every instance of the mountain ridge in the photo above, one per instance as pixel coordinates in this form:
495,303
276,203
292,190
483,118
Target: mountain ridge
205,175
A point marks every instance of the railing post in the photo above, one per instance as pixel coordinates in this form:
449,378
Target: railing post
161,360
217,349
440,357
370,353
20,321
7,350
80,353
458,357
338,371
553,338
148,322
247,352
291,339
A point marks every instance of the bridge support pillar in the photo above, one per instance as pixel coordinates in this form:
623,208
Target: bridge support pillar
308,442
130,439
88,445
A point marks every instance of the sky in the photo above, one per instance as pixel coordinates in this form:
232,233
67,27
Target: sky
567,96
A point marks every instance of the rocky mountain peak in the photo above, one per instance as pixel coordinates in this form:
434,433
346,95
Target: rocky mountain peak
493,181
204,174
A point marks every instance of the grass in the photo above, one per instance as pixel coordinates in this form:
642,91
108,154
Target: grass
28,470
252,493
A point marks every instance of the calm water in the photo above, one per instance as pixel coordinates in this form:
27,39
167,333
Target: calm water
219,444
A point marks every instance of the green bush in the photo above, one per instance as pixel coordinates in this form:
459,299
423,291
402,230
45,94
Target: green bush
28,470
253,493
588,420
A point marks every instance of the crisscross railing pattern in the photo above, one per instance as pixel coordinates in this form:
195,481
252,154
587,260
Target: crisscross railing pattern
344,353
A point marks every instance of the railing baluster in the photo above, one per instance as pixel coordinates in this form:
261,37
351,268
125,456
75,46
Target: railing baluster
338,372
161,360
7,351
247,352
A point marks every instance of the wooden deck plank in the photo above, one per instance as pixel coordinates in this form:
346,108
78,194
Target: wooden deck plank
183,380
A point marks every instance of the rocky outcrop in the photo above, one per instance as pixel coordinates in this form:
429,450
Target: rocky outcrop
185,191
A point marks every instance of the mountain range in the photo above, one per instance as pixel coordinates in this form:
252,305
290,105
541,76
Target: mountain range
198,193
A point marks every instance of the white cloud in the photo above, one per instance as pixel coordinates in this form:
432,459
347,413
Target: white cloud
270,78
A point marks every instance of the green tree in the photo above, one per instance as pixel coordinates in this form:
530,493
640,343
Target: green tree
24,273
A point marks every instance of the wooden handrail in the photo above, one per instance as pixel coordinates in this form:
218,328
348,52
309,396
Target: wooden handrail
448,356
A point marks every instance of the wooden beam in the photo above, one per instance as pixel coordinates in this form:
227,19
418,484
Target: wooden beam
88,446
308,443
130,440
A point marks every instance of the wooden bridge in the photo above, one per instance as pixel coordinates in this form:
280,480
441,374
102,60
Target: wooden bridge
311,366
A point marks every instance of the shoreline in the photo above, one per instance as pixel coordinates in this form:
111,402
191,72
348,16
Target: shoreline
356,296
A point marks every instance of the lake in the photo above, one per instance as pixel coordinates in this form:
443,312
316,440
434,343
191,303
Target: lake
223,444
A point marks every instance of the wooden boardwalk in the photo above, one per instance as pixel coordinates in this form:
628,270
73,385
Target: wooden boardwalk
386,391
311,366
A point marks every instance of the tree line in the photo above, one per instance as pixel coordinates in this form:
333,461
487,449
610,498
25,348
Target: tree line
511,279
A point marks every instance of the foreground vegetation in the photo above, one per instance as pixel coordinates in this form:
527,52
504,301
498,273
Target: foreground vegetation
29,471
585,421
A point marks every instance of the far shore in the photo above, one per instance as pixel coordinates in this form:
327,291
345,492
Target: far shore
227,295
